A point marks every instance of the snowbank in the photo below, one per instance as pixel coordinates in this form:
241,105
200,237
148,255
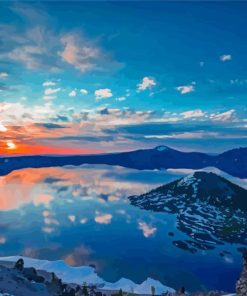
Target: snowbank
78,275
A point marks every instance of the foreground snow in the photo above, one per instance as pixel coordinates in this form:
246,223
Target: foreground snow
81,274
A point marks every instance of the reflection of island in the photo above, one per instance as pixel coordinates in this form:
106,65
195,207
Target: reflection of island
209,208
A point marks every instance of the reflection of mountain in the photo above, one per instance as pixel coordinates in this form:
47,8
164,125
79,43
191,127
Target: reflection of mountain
209,209
233,162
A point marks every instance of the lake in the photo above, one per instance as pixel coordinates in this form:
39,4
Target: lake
83,215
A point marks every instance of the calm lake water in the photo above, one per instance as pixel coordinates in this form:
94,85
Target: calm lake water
83,215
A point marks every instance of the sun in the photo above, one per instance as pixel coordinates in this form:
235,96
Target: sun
11,145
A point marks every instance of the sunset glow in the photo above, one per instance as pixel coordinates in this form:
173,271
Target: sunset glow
78,90
22,149
11,145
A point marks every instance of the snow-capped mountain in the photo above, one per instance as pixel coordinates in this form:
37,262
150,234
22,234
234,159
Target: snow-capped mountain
209,208
81,274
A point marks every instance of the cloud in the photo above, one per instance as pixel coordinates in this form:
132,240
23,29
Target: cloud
103,218
50,125
120,99
193,113
147,83
225,57
49,83
103,93
79,52
51,91
37,46
3,128
185,89
3,75
147,230
225,116
83,91
73,93
34,47
24,115
185,135
49,98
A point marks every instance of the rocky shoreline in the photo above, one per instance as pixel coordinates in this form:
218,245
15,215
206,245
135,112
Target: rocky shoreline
18,280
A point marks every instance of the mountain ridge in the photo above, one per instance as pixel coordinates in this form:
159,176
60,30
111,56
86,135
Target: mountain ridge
233,162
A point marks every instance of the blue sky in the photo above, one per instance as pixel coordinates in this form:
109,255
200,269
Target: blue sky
93,76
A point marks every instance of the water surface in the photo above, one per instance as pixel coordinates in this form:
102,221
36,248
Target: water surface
82,215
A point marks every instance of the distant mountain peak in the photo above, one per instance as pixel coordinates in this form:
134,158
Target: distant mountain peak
162,148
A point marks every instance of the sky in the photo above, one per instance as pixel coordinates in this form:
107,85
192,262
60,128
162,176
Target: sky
97,77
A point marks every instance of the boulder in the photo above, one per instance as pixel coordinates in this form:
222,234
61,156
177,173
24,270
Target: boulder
241,286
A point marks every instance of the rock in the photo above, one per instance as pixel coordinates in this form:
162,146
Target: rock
241,286
19,265
31,274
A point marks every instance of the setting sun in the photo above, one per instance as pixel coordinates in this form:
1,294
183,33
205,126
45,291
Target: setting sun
11,145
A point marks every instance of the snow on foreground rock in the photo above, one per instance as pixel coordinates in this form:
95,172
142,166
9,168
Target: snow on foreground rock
78,275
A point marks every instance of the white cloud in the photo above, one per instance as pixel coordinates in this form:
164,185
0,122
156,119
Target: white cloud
185,89
3,75
120,99
147,230
83,91
51,91
26,114
225,57
225,116
185,135
103,93
49,83
49,98
193,113
147,83
73,93
3,128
